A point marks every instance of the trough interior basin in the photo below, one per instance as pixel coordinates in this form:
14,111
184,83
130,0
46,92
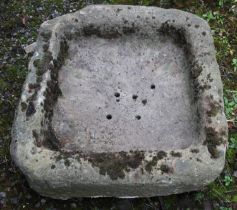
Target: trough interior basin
125,93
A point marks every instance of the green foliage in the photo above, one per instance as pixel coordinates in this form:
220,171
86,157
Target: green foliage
234,63
228,180
233,143
225,208
209,16
230,102
221,3
199,197
231,153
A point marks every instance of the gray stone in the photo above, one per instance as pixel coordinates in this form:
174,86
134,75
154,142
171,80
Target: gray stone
30,48
121,101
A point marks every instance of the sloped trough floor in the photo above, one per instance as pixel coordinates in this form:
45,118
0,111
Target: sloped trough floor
125,93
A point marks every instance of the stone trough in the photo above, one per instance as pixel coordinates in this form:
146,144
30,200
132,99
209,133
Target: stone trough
121,101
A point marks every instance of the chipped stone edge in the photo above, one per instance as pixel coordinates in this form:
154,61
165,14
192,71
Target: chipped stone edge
30,48
192,171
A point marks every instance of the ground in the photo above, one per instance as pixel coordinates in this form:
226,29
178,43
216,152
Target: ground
20,21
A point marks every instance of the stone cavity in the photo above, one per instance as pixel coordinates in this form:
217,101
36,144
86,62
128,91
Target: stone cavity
100,71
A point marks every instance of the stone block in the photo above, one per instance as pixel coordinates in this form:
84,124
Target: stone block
123,101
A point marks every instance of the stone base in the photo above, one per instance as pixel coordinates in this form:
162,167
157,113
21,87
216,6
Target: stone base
121,101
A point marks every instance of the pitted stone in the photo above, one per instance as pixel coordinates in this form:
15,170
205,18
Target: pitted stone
98,69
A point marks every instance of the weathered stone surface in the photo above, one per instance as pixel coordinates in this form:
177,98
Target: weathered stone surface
121,101
30,48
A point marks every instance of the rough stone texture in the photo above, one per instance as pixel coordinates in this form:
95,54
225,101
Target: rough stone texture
101,78
121,101
30,48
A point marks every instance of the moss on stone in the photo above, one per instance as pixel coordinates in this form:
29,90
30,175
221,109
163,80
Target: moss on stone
43,64
36,136
45,35
194,150
33,85
165,168
215,108
30,109
213,139
23,106
115,164
150,164
176,154
36,63
67,162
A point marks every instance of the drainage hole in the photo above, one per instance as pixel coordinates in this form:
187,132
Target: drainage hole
153,86
134,97
144,101
109,116
116,94
138,117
